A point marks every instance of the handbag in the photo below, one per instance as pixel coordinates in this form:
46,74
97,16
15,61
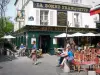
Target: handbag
33,51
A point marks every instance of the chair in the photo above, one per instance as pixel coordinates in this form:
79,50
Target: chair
77,62
39,53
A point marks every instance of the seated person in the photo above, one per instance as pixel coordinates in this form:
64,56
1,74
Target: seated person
62,56
70,57
20,50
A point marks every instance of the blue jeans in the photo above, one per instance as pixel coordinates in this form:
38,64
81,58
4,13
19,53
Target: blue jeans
60,60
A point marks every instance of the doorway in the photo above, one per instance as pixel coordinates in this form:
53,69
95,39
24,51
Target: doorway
60,42
44,43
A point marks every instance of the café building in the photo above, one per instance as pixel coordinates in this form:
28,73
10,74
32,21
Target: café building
42,20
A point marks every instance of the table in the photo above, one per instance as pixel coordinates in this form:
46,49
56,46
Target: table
89,63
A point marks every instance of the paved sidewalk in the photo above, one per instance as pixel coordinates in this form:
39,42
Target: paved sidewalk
24,66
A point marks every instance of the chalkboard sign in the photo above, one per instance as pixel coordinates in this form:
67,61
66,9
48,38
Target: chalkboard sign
61,18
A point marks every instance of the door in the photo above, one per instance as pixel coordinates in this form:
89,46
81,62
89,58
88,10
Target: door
44,43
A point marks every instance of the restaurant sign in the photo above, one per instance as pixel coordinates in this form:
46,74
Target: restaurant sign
60,7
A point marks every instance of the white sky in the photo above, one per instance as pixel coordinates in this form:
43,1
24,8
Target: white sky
11,8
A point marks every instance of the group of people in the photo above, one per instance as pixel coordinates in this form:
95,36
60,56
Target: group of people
32,52
66,55
75,58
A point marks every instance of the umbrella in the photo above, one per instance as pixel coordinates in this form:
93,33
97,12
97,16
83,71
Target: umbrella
8,37
63,35
97,34
78,34
89,34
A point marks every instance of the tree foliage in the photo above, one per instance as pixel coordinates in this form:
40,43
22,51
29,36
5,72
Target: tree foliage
3,23
6,26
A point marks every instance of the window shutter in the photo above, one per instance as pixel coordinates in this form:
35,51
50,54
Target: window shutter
80,19
51,17
38,17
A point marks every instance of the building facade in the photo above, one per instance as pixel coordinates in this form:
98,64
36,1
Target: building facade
42,20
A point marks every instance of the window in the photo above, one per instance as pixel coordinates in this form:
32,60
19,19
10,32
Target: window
76,15
76,19
43,17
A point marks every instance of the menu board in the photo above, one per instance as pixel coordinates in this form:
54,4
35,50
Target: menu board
61,18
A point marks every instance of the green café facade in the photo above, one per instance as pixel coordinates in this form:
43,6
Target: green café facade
45,35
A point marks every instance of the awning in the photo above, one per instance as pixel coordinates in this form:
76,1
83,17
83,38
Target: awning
95,10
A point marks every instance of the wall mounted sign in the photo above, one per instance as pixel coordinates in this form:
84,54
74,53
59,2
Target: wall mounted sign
31,18
60,7
20,15
58,29
54,40
33,39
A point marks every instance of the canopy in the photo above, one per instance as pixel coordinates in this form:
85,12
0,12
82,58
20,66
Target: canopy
78,34
8,37
63,35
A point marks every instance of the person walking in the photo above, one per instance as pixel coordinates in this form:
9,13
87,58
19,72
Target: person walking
33,53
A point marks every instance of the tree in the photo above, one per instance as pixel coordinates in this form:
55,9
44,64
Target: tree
7,27
3,4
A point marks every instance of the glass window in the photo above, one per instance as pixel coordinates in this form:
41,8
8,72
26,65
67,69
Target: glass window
76,19
43,17
76,16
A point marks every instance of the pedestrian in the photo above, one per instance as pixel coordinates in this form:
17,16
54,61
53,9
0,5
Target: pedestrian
33,53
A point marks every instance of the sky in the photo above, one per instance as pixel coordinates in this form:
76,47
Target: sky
11,8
